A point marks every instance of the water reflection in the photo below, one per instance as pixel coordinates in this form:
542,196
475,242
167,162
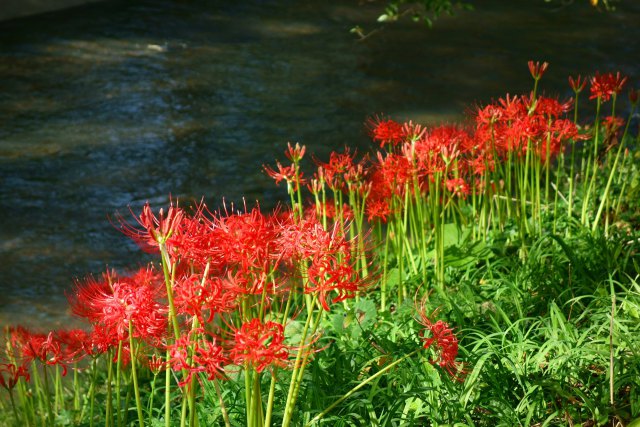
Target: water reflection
113,104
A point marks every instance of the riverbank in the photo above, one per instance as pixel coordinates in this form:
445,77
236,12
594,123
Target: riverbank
12,9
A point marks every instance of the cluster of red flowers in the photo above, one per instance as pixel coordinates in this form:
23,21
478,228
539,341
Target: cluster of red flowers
223,268
57,348
455,159
415,159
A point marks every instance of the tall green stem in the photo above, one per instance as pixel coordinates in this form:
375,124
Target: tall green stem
136,390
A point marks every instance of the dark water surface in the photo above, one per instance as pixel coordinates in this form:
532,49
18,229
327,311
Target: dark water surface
110,105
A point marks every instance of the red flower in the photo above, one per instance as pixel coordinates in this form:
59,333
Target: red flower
386,131
290,174
245,241
206,356
577,84
156,364
603,86
194,294
117,301
612,125
75,343
378,209
458,187
45,348
340,169
260,345
536,69
155,230
443,342
10,374
295,154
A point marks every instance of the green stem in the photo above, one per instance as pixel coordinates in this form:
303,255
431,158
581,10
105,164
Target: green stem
13,407
272,389
109,410
223,408
136,390
605,194
50,416
167,392
118,384
297,366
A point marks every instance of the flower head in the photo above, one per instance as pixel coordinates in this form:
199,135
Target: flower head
386,131
603,86
440,338
10,374
260,345
578,84
116,302
155,229
536,69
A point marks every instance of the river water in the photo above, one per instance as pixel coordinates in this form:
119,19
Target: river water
109,105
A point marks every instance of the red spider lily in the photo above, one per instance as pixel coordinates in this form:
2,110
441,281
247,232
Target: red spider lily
436,150
551,108
299,241
246,241
378,209
198,356
612,125
117,301
309,239
558,133
479,164
10,374
194,294
209,358
603,86
101,339
260,345
295,154
520,124
340,169
458,187
578,84
156,364
315,185
155,230
391,173
536,69
256,282
413,131
487,115
197,242
45,348
443,342
328,274
75,344
291,174
386,131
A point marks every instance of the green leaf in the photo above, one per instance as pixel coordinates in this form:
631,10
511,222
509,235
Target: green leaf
634,423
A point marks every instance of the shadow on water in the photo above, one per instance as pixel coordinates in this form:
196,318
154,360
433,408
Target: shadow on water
110,105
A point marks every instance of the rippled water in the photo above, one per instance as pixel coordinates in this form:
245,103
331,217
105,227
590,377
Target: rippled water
110,105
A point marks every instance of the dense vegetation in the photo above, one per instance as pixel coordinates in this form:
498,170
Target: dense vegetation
481,274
